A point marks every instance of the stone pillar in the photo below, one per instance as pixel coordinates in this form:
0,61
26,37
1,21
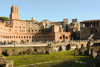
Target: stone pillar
89,24
95,24
92,24
9,63
81,25
99,24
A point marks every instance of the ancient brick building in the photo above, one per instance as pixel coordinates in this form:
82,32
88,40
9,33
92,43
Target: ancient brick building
74,28
17,30
90,27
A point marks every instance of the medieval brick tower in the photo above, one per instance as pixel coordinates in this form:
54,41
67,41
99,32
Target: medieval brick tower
14,12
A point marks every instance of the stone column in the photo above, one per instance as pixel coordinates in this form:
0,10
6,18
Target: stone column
92,24
89,24
95,24
99,24
81,24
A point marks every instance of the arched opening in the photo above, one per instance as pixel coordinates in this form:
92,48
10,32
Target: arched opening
32,40
60,37
63,36
97,23
94,32
27,41
87,24
84,25
35,50
60,48
66,37
93,24
22,41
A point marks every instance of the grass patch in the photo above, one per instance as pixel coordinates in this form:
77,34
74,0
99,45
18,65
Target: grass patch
31,59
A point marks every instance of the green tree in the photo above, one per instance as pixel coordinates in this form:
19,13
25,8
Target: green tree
4,18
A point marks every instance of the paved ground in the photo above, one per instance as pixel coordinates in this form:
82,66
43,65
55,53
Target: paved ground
18,45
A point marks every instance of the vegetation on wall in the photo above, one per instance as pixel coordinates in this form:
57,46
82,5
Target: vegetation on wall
4,18
47,25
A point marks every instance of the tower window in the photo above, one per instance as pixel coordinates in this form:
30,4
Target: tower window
15,22
15,26
9,29
15,30
6,22
10,22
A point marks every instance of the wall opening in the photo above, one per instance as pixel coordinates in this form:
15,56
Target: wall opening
93,24
98,24
35,50
87,24
60,37
66,37
63,36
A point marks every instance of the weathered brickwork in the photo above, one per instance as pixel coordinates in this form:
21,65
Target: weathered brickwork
90,27
17,31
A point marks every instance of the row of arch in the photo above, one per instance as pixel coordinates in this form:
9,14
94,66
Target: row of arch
91,24
27,36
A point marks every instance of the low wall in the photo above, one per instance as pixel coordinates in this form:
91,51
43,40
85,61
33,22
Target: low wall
5,63
12,51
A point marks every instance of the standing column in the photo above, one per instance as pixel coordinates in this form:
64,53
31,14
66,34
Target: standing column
89,24
81,24
92,24
95,24
99,24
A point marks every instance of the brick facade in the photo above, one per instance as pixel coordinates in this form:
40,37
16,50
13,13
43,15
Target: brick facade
16,30
90,27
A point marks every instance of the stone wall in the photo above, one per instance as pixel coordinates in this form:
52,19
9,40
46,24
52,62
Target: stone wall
5,63
12,51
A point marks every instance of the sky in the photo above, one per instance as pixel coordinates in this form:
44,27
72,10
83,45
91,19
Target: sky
53,10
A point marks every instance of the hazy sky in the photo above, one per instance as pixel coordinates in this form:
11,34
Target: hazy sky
53,10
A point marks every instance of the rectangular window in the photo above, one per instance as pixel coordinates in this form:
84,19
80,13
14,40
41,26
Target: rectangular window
10,26
9,29
21,36
30,36
6,22
19,26
15,30
10,22
28,30
15,26
15,22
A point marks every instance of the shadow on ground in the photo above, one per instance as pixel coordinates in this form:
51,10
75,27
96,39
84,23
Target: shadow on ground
90,62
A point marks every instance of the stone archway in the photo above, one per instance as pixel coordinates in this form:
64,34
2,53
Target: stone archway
60,48
94,32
